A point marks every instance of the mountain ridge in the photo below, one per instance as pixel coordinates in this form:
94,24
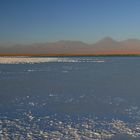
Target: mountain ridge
106,45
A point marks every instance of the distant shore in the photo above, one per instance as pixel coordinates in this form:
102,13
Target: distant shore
65,55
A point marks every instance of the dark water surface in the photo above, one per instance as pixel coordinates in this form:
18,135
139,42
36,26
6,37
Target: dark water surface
71,98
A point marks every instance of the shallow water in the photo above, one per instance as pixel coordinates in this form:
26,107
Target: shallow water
101,91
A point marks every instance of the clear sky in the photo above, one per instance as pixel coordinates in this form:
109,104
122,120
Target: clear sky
30,21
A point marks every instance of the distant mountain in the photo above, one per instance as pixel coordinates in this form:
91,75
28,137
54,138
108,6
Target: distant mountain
105,46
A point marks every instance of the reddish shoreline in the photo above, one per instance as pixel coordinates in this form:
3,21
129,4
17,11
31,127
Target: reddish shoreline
55,55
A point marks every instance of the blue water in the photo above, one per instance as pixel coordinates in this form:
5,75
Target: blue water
73,87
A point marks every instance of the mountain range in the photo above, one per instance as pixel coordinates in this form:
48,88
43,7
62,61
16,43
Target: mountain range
105,46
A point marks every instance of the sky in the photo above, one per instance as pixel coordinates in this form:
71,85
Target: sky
32,21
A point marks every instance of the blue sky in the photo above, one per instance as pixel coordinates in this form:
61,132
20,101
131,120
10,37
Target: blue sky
30,21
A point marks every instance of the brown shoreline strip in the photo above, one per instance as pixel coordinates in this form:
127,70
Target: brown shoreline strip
60,55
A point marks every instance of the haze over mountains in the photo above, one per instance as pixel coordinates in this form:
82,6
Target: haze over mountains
105,46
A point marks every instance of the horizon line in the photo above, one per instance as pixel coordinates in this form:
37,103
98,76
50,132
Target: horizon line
65,55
